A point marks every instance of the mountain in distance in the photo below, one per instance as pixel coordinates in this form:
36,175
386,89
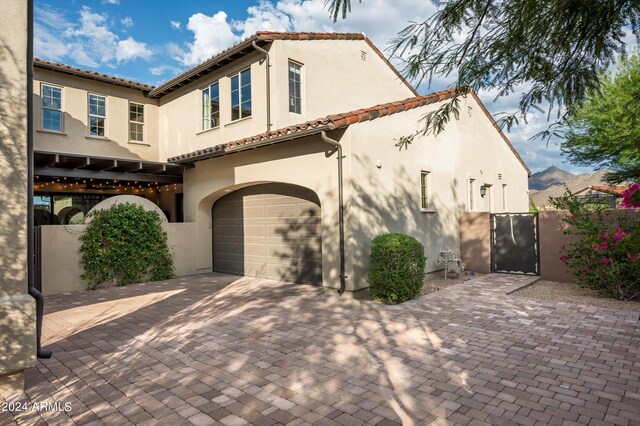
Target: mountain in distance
549,177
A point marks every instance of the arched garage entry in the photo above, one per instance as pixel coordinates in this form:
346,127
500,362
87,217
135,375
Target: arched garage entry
271,230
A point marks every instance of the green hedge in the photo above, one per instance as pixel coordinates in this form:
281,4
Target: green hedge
396,272
125,244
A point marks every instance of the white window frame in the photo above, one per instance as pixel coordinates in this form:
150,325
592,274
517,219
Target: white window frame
470,198
504,197
136,122
300,85
425,191
489,196
238,75
209,119
43,108
89,115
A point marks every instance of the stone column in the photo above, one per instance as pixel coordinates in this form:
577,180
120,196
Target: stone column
17,308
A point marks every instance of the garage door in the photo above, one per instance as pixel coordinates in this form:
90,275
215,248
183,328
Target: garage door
269,231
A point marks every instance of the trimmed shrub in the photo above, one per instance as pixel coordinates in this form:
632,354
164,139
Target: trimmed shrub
396,271
125,244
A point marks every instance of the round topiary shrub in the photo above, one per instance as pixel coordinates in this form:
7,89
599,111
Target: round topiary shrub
125,244
396,271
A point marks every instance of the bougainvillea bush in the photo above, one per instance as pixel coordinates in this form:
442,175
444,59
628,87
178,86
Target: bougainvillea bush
125,244
606,253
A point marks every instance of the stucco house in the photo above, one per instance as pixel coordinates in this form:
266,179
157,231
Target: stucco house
243,147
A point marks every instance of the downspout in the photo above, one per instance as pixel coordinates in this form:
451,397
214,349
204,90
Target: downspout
337,145
33,292
266,56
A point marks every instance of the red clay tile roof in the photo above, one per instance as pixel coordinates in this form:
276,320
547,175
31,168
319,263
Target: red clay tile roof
216,61
246,45
55,66
337,121
607,189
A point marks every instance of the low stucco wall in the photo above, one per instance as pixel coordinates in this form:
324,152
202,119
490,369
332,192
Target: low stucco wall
475,241
551,237
60,255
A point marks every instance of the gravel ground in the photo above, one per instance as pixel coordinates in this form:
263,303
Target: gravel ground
440,283
552,291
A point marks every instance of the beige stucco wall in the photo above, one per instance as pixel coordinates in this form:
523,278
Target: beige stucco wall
475,241
335,79
74,138
300,162
60,254
387,199
17,308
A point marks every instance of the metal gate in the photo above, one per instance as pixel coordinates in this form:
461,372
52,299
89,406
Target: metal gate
514,243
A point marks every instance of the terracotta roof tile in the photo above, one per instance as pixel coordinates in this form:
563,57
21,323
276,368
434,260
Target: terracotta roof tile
607,189
67,69
266,37
336,121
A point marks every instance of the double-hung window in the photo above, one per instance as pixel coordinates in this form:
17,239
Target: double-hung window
97,115
241,95
51,108
424,190
295,87
136,122
211,106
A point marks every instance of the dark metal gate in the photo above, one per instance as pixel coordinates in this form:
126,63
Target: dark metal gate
514,243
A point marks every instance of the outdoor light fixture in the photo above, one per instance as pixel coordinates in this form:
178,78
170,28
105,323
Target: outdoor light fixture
483,191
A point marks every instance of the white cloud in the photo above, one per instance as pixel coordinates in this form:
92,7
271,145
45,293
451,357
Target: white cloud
164,69
130,49
127,22
89,41
264,17
211,35
44,39
110,1
175,25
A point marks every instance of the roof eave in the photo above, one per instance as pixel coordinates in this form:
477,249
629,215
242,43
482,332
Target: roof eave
240,50
250,146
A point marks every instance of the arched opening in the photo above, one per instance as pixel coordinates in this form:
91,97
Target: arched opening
271,230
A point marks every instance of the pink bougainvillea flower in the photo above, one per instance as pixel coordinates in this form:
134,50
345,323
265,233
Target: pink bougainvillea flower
604,245
563,258
606,260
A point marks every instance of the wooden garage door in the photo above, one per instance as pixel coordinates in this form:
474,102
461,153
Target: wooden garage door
269,231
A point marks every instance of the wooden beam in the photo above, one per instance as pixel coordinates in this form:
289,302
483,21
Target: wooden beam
133,167
97,174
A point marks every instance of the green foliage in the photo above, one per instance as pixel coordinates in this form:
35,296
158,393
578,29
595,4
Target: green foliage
125,244
396,272
605,132
553,50
605,255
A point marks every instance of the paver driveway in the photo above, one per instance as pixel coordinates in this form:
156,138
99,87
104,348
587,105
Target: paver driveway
220,349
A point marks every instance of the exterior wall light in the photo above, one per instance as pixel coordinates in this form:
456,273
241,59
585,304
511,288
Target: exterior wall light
483,191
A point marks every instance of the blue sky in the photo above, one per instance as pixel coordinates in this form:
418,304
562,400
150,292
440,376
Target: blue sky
153,40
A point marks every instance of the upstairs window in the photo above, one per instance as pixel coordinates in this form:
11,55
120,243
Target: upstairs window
51,108
471,201
424,190
241,95
295,87
211,107
136,122
97,115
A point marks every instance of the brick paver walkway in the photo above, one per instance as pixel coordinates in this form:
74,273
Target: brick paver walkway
215,349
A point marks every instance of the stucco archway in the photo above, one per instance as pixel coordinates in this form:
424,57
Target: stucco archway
268,230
